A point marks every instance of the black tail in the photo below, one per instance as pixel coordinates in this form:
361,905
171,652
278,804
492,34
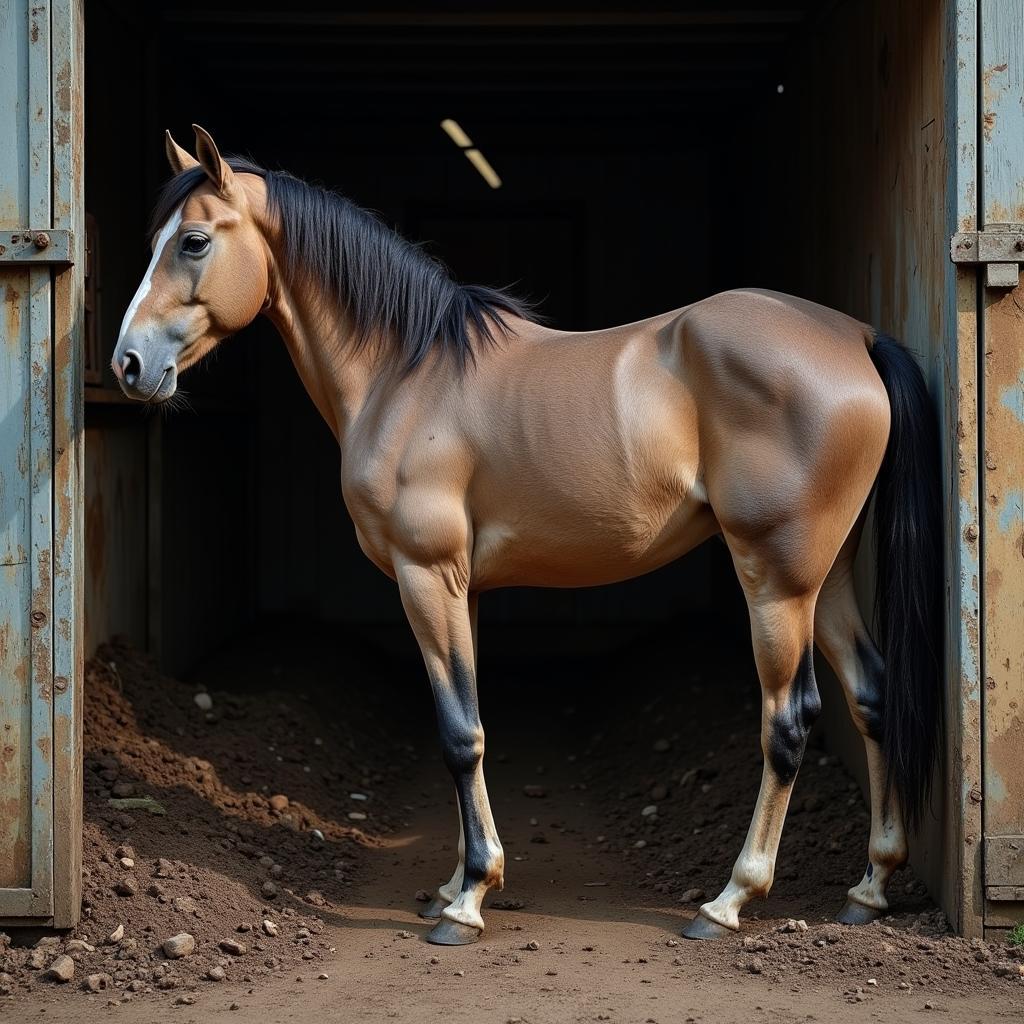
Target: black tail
909,578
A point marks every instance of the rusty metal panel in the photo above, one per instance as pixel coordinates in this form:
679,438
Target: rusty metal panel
67,82
26,629
1001,65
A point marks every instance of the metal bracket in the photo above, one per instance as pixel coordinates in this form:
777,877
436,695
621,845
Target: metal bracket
1000,248
37,248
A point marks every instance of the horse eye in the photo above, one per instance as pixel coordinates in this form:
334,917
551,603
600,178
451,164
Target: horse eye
194,244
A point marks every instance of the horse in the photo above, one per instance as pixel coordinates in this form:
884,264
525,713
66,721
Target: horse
482,449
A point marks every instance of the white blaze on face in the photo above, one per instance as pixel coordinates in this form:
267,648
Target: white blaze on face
166,233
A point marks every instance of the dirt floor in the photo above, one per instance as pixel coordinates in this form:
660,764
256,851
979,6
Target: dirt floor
305,805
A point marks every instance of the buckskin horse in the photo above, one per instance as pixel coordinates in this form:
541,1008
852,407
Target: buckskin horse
481,449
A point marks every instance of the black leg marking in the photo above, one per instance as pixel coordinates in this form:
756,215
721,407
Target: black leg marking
792,723
870,693
462,745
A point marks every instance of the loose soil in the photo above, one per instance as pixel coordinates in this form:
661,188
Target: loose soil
622,788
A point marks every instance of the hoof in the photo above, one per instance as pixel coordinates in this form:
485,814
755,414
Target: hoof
432,911
702,927
452,933
857,913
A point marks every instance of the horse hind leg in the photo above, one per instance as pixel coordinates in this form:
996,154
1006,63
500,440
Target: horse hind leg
843,638
782,633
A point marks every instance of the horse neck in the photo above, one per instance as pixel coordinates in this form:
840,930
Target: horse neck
336,374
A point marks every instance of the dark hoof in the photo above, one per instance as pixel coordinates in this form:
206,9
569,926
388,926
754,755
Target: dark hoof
702,927
432,911
451,933
857,913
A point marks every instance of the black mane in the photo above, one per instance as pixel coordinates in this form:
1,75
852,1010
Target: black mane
388,286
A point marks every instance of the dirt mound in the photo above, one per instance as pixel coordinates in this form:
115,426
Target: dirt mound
681,824
238,820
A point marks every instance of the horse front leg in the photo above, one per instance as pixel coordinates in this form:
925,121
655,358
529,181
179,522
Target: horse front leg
449,891
441,617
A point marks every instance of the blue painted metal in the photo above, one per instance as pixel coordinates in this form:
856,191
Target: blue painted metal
961,838
40,189
1001,76
68,457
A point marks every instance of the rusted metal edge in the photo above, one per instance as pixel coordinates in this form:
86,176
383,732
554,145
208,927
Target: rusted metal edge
37,248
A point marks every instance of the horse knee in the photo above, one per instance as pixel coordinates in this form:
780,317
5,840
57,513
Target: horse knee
463,745
867,696
792,721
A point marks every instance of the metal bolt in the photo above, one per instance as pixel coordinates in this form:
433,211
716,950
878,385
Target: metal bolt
60,684
1019,245
971,532
38,618
42,240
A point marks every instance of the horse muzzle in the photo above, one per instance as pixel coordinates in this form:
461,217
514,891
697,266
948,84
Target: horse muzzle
146,373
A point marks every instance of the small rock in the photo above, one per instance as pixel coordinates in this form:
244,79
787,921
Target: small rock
137,985
270,928
97,982
185,1000
269,889
234,947
126,862
322,976
756,966
423,896
126,887
163,868
116,935
203,701
356,816
122,790
216,973
62,969
533,945
36,960
692,896
278,802
178,946
78,946
184,904
649,811
403,934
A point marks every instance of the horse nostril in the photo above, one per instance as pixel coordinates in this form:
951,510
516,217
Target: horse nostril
131,367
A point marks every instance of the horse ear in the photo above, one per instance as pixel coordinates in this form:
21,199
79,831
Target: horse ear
179,159
213,163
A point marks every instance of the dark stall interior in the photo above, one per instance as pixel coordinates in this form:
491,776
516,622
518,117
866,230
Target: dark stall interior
643,166
649,155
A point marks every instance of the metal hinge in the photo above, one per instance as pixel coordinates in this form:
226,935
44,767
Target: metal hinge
1000,248
37,248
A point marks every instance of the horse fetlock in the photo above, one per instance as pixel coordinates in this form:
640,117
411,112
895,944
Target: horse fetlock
753,876
869,893
465,910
